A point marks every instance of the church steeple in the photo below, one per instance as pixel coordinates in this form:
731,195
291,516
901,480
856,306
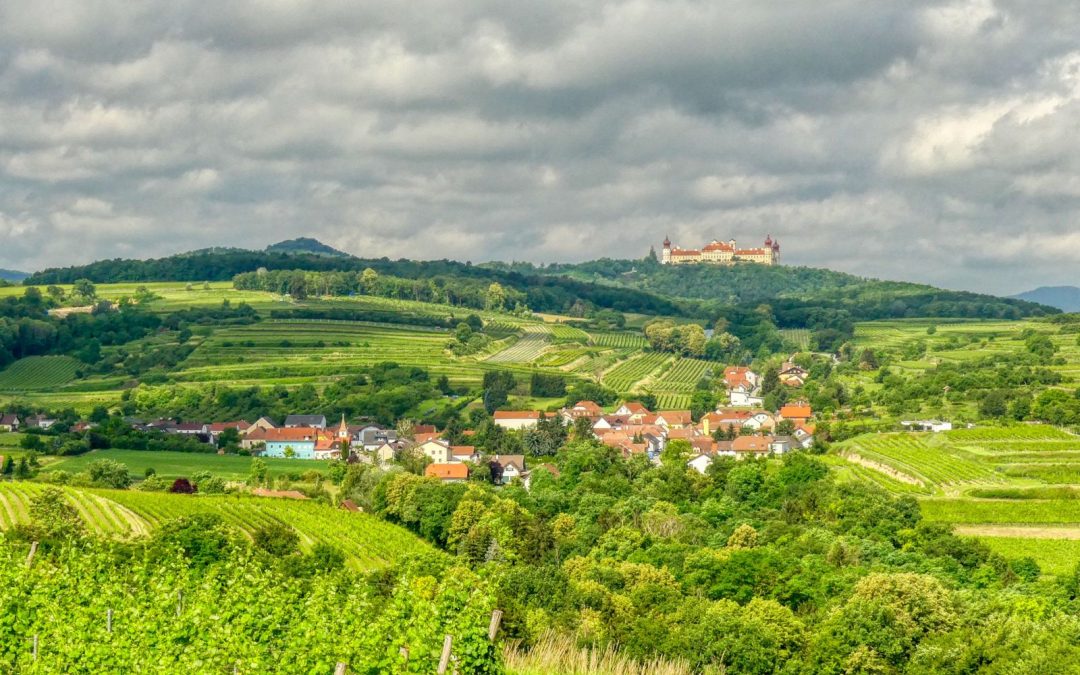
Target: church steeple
343,429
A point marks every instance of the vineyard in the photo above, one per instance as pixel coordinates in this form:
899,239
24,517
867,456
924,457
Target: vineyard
1012,487
626,375
366,540
92,609
183,464
618,340
38,372
529,347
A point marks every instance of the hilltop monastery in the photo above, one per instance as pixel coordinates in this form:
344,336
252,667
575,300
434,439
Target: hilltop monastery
721,253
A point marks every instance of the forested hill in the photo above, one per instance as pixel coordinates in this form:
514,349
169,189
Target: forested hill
797,296
791,291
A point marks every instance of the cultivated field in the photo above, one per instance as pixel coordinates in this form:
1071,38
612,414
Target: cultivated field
38,372
1016,488
366,541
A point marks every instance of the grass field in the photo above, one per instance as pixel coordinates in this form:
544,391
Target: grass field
1007,486
367,541
183,464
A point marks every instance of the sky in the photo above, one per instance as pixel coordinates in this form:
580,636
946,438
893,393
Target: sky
926,141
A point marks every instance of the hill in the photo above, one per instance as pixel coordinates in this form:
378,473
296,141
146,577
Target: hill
12,275
306,245
1065,298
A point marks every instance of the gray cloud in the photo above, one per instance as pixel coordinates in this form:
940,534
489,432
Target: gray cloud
931,141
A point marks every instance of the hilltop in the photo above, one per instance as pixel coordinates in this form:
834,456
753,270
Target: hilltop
1065,298
306,245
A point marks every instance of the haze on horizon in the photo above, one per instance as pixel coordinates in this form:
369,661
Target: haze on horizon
925,141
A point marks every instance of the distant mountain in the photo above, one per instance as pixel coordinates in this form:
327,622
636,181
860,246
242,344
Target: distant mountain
306,245
12,275
1065,298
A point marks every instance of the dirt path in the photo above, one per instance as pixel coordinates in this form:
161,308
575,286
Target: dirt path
1019,531
889,471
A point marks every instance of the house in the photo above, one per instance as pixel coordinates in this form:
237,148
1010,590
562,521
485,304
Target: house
424,429
191,429
39,422
742,396
9,422
700,463
425,437
448,473
793,375
581,409
804,435
517,419
782,444
933,426
747,446
328,447
216,429
674,418
735,376
527,477
261,423
798,412
437,450
632,409
463,453
388,451
314,421
509,467
350,505
297,442
610,422
372,436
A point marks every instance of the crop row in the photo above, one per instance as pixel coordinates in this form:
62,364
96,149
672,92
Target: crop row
38,372
620,340
910,454
683,375
624,376
530,346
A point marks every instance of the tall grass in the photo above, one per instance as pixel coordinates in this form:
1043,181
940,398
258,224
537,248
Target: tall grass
558,654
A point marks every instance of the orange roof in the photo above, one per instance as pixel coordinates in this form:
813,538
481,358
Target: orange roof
676,416
591,406
636,408
517,415
462,450
686,252
447,471
284,435
718,246
796,411
425,437
751,443
218,427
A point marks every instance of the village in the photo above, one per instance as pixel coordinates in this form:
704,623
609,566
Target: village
741,429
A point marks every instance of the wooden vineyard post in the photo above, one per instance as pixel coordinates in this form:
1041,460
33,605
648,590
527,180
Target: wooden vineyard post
33,552
34,649
179,602
493,627
444,661
340,668
108,620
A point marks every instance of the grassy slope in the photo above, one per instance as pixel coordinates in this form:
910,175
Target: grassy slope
182,464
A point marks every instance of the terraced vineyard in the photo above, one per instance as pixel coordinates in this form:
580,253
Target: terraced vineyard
683,375
563,333
38,372
1012,487
271,351
528,348
366,541
800,337
621,340
624,376
101,515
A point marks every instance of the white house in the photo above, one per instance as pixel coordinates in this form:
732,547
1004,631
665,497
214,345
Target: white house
743,397
934,426
700,463
513,466
517,419
438,451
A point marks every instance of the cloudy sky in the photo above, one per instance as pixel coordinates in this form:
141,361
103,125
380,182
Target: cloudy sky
930,141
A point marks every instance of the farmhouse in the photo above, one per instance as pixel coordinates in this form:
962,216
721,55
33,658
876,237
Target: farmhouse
793,375
298,442
517,419
509,467
798,412
9,422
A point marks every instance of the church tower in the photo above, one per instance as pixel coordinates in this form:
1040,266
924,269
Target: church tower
665,255
343,429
